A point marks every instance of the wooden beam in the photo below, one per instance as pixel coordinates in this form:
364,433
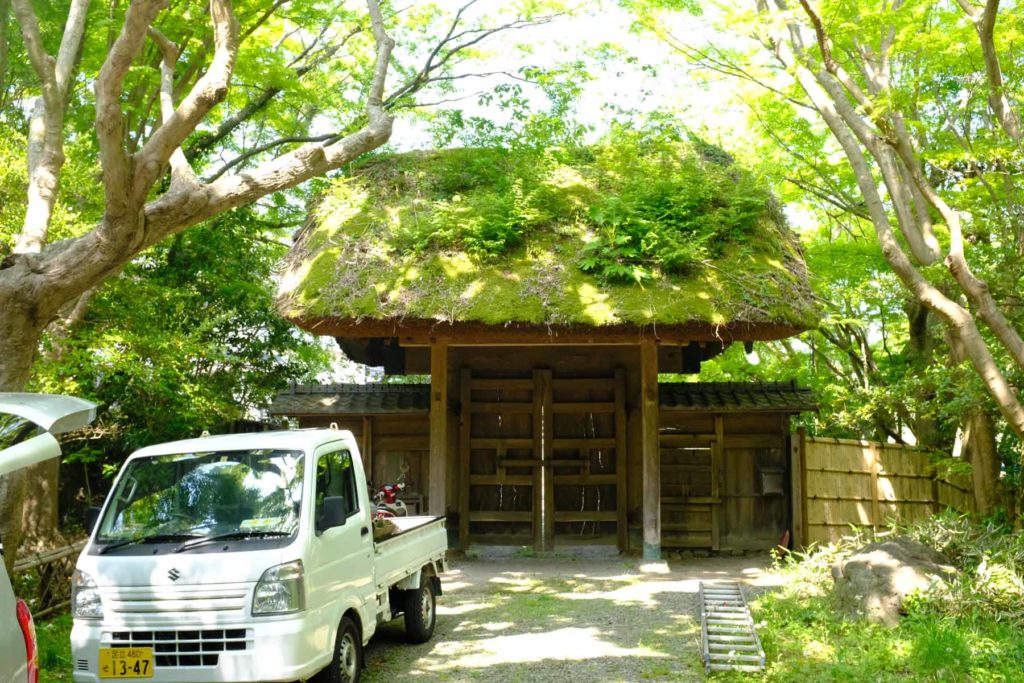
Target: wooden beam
875,492
367,446
621,491
650,449
465,440
796,489
717,467
543,426
438,427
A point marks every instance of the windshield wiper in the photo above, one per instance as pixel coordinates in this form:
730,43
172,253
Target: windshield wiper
154,538
234,535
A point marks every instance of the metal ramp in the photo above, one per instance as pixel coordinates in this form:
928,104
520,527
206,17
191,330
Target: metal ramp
729,640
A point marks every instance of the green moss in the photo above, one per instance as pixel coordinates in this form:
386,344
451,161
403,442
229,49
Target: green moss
490,236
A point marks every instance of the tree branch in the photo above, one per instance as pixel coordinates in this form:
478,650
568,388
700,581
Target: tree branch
182,174
211,89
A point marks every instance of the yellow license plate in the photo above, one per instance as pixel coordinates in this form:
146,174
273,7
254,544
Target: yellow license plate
126,662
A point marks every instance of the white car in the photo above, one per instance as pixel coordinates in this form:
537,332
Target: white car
27,425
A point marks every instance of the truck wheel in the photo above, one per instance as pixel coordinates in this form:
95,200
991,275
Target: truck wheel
419,612
347,664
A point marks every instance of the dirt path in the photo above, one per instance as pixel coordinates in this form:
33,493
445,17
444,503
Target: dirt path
560,619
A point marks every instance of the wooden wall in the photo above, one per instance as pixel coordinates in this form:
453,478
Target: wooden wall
867,484
713,469
387,443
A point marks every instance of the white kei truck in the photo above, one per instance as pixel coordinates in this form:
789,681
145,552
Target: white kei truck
247,557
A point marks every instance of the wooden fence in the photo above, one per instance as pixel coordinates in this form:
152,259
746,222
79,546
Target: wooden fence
846,483
49,574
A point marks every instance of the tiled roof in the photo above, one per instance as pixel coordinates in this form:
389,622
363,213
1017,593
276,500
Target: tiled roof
369,399
360,399
736,396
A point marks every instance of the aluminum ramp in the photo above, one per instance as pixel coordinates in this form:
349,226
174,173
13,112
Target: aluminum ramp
728,638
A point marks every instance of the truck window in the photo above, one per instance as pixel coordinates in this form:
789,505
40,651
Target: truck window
335,476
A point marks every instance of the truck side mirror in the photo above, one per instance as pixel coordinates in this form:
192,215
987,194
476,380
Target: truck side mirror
333,513
92,516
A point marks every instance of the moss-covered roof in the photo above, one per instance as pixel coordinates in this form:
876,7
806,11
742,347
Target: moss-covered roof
612,237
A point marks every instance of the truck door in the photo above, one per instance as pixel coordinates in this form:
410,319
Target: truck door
342,556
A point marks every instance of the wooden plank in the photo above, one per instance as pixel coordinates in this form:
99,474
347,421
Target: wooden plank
465,441
796,487
402,443
702,440
875,492
692,500
367,446
520,462
538,453
584,407
594,384
501,479
755,441
622,522
501,516
499,407
500,442
502,384
584,444
545,401
436,501
650,449
717,466
585,516
586,479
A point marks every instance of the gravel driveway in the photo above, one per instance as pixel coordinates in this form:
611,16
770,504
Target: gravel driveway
561,618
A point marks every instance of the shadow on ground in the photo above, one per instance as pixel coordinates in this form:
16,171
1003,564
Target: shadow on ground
554,619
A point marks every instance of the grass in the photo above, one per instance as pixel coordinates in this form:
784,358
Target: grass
54,636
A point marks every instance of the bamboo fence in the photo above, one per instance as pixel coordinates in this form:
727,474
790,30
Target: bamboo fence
868,485
50,573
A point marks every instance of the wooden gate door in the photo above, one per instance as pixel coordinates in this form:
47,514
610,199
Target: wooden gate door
690,499
586,457
500,461
542,460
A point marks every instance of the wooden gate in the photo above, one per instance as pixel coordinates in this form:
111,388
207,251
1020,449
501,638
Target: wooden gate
690,499
542,460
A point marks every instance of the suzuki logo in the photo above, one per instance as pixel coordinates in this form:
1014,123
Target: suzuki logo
174,575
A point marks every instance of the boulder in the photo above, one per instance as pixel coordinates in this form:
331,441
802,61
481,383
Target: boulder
873,581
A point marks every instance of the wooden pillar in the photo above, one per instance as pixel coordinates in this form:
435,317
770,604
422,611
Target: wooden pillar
717,482
650,449
875,491
797,471
367,447
621,494
438,427
543,476
465,434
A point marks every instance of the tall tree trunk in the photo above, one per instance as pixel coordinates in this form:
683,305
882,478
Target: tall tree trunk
981,449
19,338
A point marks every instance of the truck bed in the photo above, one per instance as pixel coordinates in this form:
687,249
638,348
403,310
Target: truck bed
419,540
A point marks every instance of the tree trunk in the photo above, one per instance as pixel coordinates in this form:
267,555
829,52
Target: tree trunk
981,449
20,332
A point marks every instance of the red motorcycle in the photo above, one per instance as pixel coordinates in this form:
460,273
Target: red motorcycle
386,502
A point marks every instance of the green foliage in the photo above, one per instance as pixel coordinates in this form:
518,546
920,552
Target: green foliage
186,339
807,639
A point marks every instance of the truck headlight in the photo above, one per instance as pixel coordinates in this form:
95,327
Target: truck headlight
280,590
85,597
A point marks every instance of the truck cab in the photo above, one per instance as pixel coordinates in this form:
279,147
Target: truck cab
246,557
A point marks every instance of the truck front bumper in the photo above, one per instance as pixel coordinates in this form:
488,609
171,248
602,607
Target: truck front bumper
278,649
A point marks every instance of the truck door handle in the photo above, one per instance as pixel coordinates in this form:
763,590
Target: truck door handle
364,531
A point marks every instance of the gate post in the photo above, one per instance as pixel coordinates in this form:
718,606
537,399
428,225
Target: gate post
438,427
650,448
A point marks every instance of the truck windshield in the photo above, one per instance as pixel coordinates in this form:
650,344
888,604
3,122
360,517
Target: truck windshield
206,494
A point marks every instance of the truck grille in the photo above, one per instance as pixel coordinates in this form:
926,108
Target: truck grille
185,648
164,600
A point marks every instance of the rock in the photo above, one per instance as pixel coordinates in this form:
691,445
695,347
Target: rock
702,553
874,580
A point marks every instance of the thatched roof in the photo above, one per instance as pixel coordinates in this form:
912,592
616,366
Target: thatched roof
484,241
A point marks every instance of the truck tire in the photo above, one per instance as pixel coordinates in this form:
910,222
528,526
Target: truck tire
420,614
347,665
